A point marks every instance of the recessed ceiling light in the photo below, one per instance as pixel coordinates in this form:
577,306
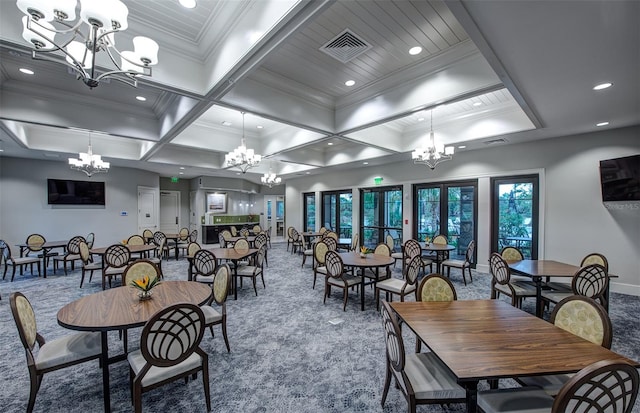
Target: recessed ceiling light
237,173
602,86
462,146
189,4
141,98
182,168
181,173
365,163
307,173
415,50
477,103
420,119
350,82
259,126
602,124
330,143
26,71
226,123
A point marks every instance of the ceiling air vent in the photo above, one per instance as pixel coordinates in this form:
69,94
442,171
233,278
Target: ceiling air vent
345,46
495,141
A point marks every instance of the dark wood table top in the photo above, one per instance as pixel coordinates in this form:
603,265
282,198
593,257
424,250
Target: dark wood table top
436,247
353,259
490,339
543,268
231,254
120,307
132,248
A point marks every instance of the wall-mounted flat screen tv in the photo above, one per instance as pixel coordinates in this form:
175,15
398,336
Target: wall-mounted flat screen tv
68,192
620,179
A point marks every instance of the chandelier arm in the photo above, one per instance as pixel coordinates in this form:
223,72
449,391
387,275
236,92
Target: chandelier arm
75,66
115,75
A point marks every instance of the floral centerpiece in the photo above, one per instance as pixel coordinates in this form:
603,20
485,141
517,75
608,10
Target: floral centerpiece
144,286
364,251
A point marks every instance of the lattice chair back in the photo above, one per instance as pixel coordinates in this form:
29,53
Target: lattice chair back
585,318
221,284
511,254
257,229
590,281
116,256
322,230
241,245
320,252
222,241
390,242
331,243
193,236
259,262
138,269
393,339
204,263
382,249
436,287
440,240
354,242
499,269
595,258
172,334
90,239
334,264
192,248
73,246
605,386
161,248
260,240
158,237
35,242
244,232
468,256
183,234
83,251
135,240
413,269
412,249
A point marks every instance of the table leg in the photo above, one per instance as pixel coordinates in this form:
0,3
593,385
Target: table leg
362,290
539,303
235,280
106,393
176,249
471,388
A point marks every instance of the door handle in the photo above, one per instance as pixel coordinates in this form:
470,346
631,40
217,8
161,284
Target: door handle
176,220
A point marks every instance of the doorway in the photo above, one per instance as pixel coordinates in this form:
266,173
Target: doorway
148,207
170,212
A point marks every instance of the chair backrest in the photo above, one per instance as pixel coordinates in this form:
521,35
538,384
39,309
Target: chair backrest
499,269
330,234
192,248
90,239
221,284
412,248
204,263
605,386
334,264
382,249
25,319
183,234
117,256
83,250
440,240
319,252
331,242
222,241
294,234
73,246
390,242
5,250
241,245
590,281
257,229
322,230
436,287
511,254
35,241
135,240
226,234
158,237
234,231
412,270
585,318
468,256
259,261
147,234
193,236
138,269
354,242
595,258
268,232
244,232
393,340
172,334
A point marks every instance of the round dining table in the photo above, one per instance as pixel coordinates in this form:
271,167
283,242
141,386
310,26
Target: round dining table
441,250
354,260
120,309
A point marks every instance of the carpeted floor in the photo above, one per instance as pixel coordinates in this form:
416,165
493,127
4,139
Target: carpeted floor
289,352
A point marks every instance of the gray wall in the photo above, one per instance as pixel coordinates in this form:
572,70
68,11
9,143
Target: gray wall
574,221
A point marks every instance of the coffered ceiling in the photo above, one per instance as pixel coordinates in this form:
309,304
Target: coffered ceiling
513,70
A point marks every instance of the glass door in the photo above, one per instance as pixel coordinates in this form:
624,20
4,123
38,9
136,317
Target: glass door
337,212
309,205
381,212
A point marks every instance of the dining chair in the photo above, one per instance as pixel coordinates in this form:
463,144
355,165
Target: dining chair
136,240
253,271
257,229
115,260
320,250
52,355
461,264
514,254
307,251
591,258
410,249
34,245
400,287
421,377
233,230
184,246
159,255
589,281
605,386
137,270
72,254
260,241
87,263
583,317
330,234
147,234
374,273
204,266
332,243
268,233
296,241
212,316
336,277
501,282
10,260
163,248
169,350
244,232
289,237
434,288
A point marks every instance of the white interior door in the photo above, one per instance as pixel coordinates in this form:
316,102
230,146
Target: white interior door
148,207
170,212
193,219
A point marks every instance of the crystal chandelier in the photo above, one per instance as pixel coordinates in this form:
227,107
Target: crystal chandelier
270,179
433,154
241,157
89,163
81,41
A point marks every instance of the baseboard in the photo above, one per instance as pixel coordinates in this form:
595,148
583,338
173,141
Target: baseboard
482,268
628,289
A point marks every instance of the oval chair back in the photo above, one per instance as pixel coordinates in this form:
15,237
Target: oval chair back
204,263
440,240
382,249
241,245
590,281
499,269
320,252
91,237
257,229
436,287
583,317
138,269
260,240
192,248
221,284
334,264
331,243
412,248
390,242
35,242
595,258
73,246
511,254
116,256
136,240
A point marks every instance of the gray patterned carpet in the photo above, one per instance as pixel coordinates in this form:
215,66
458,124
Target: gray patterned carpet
285,354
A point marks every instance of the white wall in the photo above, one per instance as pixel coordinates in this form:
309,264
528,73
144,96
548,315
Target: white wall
24,209
574,221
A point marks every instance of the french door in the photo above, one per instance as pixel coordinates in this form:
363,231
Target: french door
447,208
337,212
309,210
381,212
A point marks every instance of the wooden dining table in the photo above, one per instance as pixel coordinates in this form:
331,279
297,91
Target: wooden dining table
441,250
371,261
120,308
490,340
234,256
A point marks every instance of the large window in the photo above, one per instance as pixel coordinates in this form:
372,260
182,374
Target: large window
448,208
381,212
337,212
309,208
514,210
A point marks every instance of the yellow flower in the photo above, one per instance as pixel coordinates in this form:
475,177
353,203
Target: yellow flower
145,283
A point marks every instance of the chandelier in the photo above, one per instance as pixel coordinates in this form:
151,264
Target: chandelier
270,179
241,157
433,154
89,163
81,41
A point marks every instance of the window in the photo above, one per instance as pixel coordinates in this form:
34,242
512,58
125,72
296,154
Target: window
447,208
309,210
514,210
337,212
381,212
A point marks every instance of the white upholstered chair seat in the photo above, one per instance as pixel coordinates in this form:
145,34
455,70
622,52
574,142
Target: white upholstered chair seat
322,270
395,285
453,263
158,374
517,400
522,289
556,296
396,255
247,269
206,279
68,349
350,280
211,315
430,379
114,270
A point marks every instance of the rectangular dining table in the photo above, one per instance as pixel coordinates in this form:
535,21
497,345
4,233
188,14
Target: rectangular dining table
490,340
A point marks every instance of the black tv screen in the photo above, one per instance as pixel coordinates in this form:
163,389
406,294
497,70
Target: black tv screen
620,179
68,192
